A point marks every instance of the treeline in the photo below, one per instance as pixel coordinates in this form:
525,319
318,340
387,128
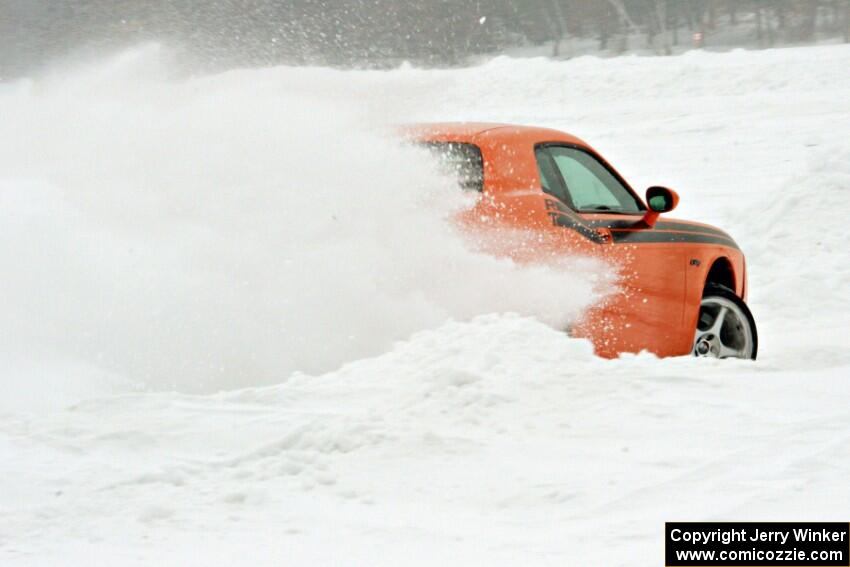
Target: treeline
371,33
662,25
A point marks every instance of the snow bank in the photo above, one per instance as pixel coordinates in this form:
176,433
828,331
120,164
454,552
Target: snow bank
494,441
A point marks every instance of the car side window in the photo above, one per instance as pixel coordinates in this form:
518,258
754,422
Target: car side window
461,160
582,182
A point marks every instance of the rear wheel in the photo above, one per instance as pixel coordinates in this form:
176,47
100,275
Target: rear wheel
725,326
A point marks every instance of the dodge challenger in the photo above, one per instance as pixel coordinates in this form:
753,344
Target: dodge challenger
683,284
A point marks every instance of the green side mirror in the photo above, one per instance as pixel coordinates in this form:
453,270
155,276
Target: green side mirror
658,203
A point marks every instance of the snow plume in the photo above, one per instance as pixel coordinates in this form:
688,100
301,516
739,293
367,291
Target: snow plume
223,231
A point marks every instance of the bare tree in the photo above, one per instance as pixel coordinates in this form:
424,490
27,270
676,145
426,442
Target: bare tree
620,7
628,23
559,25
845,20
658,12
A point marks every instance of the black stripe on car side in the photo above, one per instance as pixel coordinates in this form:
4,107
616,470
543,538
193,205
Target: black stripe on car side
652,236
663,232
644,236
660,225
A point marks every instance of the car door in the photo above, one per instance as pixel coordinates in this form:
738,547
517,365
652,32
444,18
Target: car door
647,312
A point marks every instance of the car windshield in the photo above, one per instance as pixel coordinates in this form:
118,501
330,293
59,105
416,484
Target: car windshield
582,182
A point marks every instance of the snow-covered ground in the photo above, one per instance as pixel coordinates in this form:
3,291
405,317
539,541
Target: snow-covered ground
236,330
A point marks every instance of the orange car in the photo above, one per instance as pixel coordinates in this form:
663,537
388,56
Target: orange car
684,283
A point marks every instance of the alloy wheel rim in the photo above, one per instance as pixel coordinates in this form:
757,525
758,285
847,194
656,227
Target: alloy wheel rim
723,330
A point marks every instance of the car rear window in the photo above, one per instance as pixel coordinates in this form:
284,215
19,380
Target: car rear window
461,160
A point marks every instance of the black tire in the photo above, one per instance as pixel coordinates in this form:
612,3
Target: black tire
743,316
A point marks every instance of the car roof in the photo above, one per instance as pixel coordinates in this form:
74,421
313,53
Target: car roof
475,131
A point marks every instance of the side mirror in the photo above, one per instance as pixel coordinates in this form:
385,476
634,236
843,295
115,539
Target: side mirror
660,200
